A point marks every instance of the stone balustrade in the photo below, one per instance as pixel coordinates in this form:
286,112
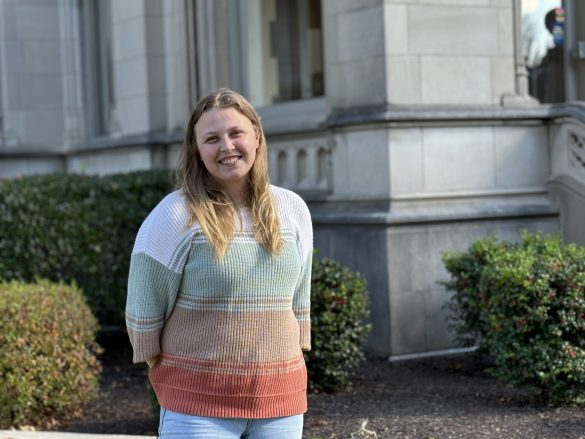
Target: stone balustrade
301,164
576,151
567,182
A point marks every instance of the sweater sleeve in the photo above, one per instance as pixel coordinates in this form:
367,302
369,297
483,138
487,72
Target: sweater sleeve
156,266
302,295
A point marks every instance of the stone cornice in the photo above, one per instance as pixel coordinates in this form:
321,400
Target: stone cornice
337,118
99,144
416,215
462,114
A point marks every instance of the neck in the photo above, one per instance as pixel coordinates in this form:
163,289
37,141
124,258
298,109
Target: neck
238,196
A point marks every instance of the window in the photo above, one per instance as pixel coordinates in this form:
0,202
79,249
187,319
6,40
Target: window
291,64
270,50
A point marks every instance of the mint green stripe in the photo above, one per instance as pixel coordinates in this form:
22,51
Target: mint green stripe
246,270
303,290
152,287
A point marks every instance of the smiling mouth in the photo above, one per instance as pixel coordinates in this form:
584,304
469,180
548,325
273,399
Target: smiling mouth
230,160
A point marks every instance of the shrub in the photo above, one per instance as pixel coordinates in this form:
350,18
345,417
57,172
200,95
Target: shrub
468,304
48,366
530,311
77,228
339,303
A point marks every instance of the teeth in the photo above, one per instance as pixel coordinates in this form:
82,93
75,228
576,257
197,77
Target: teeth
229,160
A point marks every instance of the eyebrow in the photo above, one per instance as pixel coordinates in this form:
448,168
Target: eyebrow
210,133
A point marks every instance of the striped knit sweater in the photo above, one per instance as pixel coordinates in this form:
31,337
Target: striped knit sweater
229,333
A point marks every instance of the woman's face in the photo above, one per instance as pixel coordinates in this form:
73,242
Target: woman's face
227,143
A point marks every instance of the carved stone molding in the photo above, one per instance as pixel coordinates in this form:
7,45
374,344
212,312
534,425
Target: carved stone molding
303,165
72,81
576,144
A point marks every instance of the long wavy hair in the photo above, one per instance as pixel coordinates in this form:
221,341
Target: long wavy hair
209,205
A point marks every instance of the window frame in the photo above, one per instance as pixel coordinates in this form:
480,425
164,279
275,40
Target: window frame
289,116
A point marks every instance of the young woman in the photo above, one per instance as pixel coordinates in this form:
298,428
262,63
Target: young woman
219,286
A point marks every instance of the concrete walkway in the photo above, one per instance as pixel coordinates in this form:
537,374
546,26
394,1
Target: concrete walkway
12,434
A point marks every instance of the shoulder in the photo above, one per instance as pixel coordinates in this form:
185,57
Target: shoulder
172,207
289,202
167,225
294,215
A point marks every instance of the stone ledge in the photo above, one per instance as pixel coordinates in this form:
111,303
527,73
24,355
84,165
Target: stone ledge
444,113
100,144
309,122
416,215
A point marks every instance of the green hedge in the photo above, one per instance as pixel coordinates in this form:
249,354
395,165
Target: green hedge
339,305
525,306
48,366
77,228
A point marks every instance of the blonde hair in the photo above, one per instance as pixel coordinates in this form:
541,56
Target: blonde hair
209,205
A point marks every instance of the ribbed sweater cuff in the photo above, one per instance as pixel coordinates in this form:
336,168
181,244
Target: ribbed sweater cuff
145,345
305,336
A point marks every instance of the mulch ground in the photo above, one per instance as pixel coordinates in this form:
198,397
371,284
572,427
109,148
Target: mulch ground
449,397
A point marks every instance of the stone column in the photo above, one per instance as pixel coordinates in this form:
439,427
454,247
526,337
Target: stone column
73,132
177,60
10,67
521,96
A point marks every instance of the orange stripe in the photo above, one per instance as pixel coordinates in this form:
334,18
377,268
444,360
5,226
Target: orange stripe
218,395
214,384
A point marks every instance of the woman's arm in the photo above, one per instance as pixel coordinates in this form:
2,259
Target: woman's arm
302,295
156,269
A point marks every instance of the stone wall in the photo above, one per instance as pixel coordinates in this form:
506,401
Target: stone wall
439,52
31,72
405,191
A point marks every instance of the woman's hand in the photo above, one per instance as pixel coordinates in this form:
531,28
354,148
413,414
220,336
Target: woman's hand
152,361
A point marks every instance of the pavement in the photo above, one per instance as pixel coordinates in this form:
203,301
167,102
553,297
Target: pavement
14,434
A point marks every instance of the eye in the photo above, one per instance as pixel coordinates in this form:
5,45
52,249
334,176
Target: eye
236,133
211,139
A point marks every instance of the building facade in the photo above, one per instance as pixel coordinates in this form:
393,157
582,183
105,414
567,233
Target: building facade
407,125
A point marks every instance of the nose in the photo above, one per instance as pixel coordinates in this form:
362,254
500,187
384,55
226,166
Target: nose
226,144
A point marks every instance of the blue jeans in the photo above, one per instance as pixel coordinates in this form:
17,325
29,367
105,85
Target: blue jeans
175,425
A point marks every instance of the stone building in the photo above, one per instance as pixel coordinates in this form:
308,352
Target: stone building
407,125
